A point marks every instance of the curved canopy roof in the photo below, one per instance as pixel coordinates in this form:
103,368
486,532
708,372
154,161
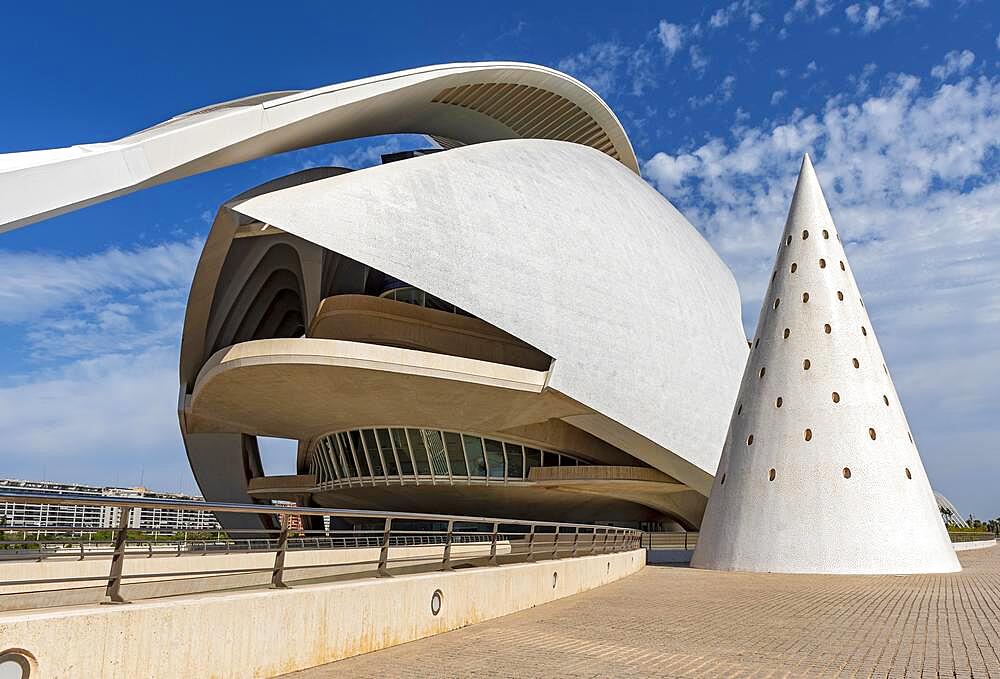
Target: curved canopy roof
455,104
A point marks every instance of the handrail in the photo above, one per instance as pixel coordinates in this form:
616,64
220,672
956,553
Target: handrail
485,541
234,508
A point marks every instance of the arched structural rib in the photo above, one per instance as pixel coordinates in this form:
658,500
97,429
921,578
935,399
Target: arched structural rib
455,104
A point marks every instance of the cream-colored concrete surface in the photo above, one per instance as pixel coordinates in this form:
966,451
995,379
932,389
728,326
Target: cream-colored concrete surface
285,387
365,318
162,575
687,623
975,544
557,268
653,375
266,633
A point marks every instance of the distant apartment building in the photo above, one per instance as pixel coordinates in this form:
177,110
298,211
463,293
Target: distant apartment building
33,515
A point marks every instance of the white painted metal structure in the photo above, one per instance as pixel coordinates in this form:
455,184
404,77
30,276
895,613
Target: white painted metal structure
454,103
819,473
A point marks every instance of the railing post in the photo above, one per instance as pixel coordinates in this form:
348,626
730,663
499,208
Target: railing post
446,562
576,539
278,571
112,594
555,544
604,544
383,555
685,539
531,544
493,545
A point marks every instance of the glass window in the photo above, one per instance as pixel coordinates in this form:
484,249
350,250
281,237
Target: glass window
515,460
432,302
323,461
359,452
474,453
371,446
455,455
435,447
385,443
316,464
532,458
494,459
346,454
419,452
550,459
328,458
403,450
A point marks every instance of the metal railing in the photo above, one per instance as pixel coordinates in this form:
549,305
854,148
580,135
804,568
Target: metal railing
673,540
406,542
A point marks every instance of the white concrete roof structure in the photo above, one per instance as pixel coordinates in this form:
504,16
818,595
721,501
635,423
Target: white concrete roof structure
578,257
586,317
454,103
819,473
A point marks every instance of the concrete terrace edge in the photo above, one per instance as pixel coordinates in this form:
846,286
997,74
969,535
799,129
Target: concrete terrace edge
265,633
975,544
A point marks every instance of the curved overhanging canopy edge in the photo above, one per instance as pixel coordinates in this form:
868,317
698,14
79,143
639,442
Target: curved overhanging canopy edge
45,183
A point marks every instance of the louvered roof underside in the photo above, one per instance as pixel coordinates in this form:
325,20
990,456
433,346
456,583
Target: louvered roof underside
531,112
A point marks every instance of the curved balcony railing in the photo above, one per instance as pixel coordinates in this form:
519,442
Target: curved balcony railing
408,455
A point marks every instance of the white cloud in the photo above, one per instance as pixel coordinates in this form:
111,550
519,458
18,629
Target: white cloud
862,81
868,18
33,284
698,60
810,69
874,16
721,94
721,17
910,178
777,96
808,9
97,337
955,63
610,68
726,14
671,36
100,420
597,66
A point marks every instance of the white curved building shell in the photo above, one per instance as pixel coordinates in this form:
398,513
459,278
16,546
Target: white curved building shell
541,230
576,256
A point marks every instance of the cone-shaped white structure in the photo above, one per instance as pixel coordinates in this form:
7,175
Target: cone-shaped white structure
819,473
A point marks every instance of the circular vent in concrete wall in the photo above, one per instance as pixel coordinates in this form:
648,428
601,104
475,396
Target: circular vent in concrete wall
16,663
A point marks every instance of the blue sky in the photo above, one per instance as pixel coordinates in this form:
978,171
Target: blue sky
897,101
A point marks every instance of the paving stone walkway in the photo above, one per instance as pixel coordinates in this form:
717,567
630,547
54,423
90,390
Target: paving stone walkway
682,622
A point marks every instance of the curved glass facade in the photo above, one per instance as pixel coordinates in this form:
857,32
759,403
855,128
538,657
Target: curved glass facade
406,455
401,292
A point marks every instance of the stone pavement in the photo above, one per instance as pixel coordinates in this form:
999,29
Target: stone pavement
682,622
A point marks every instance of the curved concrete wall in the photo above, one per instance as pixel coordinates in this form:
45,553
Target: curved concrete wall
266,633
567,250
